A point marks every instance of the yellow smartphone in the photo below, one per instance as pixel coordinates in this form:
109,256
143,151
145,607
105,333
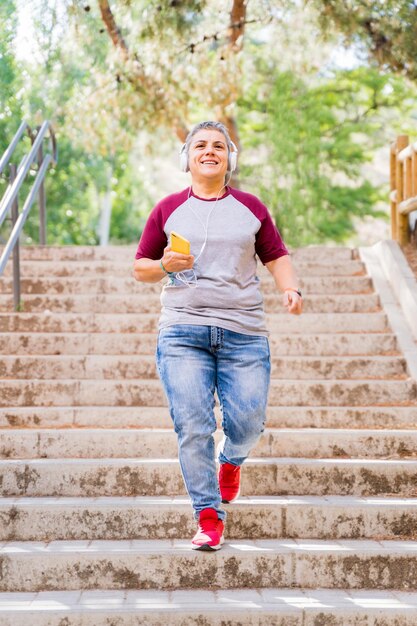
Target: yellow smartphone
179,243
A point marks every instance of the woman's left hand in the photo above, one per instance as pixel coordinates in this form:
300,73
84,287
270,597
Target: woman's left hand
293,302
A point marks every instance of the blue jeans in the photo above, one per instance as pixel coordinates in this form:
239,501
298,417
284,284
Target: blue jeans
194,362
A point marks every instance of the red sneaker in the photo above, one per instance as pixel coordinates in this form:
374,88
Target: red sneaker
229,482
209,535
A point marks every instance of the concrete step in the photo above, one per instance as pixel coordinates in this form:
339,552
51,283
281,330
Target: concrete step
334,417
279,323
256,517
103,366
162,443
120,254
161,477
234,607
353,344
75,565
113,284
148,393
80,253
98,268
137,303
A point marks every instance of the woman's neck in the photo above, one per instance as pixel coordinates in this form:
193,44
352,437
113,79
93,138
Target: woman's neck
208,189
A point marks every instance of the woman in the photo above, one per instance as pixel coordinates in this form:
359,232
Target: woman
212,333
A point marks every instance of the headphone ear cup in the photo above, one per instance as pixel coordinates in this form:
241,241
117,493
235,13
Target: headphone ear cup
184,159
232,160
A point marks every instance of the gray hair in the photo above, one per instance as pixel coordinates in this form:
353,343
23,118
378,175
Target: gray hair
210,125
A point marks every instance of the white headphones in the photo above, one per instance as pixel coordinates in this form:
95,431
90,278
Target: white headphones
231,159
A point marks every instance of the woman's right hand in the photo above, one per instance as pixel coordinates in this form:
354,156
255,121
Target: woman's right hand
175,261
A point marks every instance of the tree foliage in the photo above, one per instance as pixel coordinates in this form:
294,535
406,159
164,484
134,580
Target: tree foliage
75,187
315,140
157,59
385,29
10,81
119,79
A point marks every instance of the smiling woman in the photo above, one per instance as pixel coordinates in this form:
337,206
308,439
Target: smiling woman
206,155
212,332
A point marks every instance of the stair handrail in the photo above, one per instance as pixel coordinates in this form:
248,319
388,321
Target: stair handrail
9,201
403,195
12,146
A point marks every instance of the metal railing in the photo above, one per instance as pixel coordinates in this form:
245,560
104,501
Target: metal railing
9,202
403,196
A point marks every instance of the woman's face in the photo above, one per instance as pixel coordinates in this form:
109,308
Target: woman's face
207,155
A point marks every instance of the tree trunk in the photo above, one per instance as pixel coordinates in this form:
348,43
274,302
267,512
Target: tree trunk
235,35
105,211
139,77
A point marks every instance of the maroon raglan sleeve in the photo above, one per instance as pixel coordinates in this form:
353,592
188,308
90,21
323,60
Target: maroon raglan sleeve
153,239
268,244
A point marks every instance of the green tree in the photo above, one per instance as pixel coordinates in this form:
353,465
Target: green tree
115,77
386,29
315,138
11,95
165,58
89,164
10,76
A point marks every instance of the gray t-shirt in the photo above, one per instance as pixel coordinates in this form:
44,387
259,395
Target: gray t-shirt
223,290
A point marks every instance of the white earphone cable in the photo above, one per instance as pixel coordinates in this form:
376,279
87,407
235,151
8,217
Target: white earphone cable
190,279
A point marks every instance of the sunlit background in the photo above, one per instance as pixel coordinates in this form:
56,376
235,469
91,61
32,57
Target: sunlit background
311,105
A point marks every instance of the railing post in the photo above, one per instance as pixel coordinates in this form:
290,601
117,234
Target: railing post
402,220
393,203
16,255
413,172
413,234
42,204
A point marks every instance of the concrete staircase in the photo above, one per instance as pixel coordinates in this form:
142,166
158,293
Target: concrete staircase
94,522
